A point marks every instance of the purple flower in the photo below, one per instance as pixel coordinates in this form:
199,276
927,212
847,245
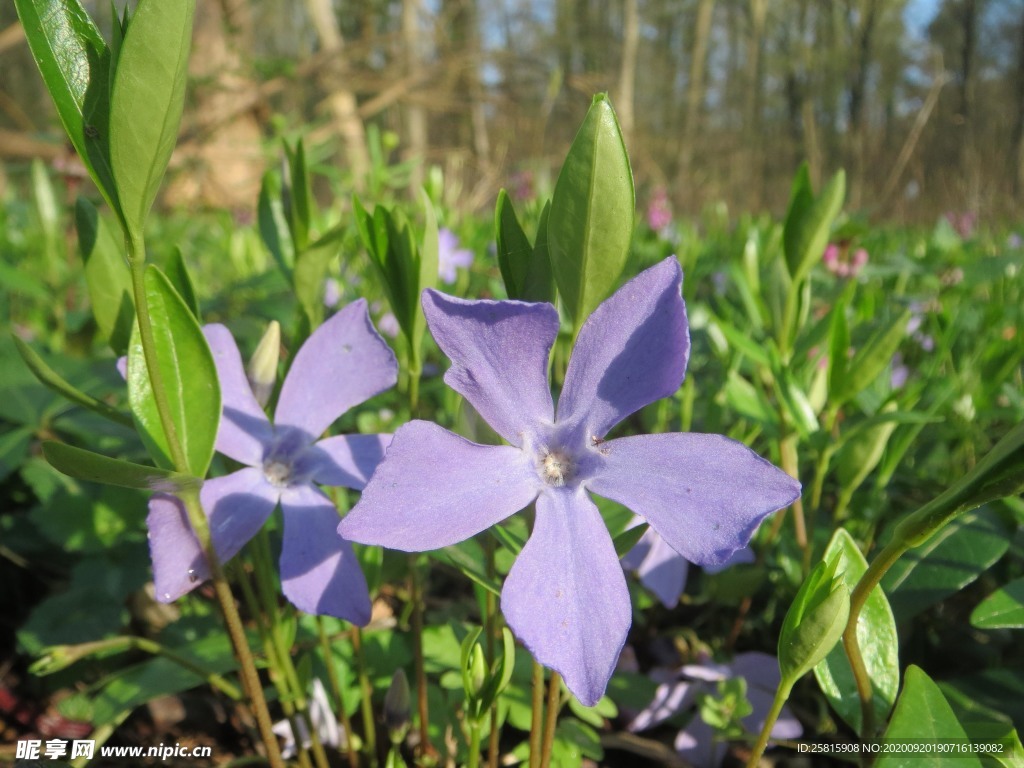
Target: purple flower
450,256
566,595
342,364
663,571
697,742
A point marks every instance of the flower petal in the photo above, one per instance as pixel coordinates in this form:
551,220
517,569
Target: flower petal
348,460
244,429
670,698
179,565
435,488
237,505
630,352
499,353
566,596
663,571
705,494
343,363
319,570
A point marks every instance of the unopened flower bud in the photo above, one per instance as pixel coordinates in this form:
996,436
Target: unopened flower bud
397,715
262,370
477,670
815,621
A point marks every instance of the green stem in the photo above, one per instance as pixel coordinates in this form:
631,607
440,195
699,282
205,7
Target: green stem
416,598
491,627
474,745
366,705
781,695
554,693
196,516
332,677
537,715
788,454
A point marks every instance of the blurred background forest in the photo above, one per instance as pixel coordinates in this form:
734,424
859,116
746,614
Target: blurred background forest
922,101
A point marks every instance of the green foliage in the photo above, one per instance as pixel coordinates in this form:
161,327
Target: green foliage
591,219
147,96
189,375
876,633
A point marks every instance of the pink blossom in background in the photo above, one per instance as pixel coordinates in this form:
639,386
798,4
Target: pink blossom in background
659,210
839,262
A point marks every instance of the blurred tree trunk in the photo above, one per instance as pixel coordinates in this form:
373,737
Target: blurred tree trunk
753,87
464,50
224,147
340,99
1018,127
624,104
695,92
969,170
415,114
808,120
864,28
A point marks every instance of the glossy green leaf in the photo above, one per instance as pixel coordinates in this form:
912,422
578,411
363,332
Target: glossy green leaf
525,268
96,468
75,64
923,714
14,444
947,562
177,273
311,266
838,347
861,454
514,247
878,639
146,102
872,359
1008,751
50,378
592,210
297,195
426,258
106,275
273,223
189,378
1003,609
809,222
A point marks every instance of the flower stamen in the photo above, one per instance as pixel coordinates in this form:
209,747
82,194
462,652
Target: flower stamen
556,468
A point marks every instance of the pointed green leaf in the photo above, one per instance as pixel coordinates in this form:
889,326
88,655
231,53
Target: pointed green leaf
428,256
298,195
838,349
923,714
61,386
592,210
947,562
273,223
75,64
540,282
514,248
311,272
106,275
871,359
189,378
861,454
879,643
1003,609
86,465
146,102
177,273
809,222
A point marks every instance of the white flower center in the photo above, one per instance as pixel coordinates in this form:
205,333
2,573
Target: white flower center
278,473
555,468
